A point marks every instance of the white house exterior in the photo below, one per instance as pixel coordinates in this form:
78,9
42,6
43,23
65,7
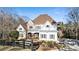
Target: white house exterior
42,28
22,28
22,32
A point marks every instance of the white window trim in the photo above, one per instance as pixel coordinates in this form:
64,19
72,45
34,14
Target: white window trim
43,36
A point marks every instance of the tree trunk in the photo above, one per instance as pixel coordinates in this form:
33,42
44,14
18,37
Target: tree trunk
76,34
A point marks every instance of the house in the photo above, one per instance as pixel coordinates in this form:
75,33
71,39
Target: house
22,29
41,28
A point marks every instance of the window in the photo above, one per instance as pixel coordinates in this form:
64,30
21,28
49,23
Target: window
20,28
52,36
47,25
43,35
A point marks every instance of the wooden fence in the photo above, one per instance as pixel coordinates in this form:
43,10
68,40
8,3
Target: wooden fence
21,43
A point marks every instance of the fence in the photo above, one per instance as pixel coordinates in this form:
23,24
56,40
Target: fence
21,43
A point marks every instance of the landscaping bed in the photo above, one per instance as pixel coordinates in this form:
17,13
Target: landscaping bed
50,45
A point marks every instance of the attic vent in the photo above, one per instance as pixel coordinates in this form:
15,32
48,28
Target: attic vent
30,27
47,25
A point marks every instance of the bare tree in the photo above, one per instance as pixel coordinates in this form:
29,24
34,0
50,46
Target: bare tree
7,21
73,17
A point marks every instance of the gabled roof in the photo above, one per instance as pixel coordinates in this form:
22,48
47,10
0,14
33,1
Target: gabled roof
23,23
41,19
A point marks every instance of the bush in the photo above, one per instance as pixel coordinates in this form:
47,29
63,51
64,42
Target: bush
59,46
49,44
14,35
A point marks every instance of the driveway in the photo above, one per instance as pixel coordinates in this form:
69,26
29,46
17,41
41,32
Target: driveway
71,45
76,47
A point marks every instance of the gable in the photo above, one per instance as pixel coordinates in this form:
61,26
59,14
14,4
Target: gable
30,23
20,28
49,26
47,23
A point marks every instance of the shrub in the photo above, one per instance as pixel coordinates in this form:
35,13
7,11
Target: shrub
49,44
14,35
59,46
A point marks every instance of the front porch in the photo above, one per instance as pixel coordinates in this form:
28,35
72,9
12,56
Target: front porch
33,36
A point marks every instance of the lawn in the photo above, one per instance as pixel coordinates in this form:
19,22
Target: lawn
11,48
2,48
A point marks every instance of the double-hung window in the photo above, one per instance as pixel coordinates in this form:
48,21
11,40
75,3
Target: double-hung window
43,36
52,36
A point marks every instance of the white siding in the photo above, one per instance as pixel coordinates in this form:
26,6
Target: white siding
51,27
21,31
48,36
30,23
51,30
20,26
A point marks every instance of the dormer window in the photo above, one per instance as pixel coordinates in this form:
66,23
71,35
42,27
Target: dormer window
47,25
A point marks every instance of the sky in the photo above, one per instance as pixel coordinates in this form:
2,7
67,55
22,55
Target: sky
57,13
